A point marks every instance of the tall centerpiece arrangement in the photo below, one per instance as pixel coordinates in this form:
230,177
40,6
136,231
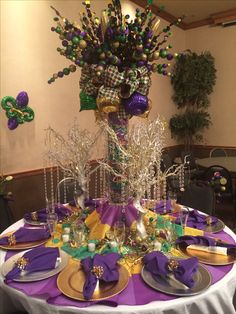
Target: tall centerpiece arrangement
117,54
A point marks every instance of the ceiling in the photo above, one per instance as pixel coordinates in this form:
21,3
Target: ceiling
196,12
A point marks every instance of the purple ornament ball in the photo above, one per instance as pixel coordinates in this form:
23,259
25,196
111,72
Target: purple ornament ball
136,105
22,99
12,123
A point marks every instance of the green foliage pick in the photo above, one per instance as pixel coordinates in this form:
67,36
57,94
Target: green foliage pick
193,79
149,2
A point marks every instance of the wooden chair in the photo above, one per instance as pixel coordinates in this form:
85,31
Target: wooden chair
200,197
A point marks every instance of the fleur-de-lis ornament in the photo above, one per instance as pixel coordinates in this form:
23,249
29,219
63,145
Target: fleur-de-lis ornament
17,110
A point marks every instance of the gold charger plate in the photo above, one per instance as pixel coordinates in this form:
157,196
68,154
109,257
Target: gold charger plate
71,281
22,245
202,281
207,258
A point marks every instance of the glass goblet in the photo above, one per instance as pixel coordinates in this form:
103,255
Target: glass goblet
79,231
119,233
52,220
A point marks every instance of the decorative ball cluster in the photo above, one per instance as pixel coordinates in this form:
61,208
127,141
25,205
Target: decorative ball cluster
114,39
218,182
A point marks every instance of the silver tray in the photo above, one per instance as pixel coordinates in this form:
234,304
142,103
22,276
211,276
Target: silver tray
167,285
34,276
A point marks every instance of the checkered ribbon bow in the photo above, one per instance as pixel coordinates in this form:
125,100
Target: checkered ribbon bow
112,85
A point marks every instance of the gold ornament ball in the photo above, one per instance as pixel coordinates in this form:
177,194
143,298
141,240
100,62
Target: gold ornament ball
175,55
139,47
143,57
156,55
82,44
100,68
102,56
116,44
150,57
154,67
98,73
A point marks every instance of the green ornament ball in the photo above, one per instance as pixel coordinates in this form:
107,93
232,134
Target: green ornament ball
66,71
163,54
75,40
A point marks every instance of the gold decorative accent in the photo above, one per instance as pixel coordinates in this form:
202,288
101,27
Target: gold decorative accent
173,264
71,282
208,220
12,239
34,216
22,262
98,271
105,105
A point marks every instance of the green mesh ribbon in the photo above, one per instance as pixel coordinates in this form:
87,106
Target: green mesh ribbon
87,102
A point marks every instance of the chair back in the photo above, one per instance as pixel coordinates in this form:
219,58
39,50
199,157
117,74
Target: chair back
166,161
189,158
200,197
218,152
65,190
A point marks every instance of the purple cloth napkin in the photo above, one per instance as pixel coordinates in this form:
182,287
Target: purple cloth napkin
102,267
197,220
26,235
163,207
37,259
159,265
41,215
89,202
206,241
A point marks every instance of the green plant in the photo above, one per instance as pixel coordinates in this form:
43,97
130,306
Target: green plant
193,79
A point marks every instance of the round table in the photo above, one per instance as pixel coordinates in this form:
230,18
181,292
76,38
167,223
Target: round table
226,162
218,298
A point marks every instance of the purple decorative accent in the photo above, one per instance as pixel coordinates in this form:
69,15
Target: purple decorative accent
163,207
60,210
136,293
28,235
109,213
169,56
159,265
136,105
22,99
12,123
39,259
197,220
108,266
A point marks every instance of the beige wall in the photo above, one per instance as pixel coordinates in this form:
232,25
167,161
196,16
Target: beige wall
29,58
221,42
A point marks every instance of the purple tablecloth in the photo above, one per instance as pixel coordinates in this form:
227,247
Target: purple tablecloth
136,293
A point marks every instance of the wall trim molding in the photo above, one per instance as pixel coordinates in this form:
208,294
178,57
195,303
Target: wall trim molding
177,147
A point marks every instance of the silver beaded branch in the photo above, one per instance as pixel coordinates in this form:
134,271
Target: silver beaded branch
72,153
143,152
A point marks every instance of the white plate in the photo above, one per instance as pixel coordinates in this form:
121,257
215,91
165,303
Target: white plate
34,276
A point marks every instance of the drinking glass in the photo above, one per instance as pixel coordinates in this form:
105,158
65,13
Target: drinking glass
50,205
79,231
119,233
52,219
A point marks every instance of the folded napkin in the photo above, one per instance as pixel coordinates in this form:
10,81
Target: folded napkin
206,241
197,220
163,207
25,235
37,259
41,215
159,265
89,202
102,267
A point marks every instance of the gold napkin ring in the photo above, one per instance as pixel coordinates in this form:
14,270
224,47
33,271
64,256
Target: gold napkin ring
11,240
98,271
34,216
22,262
173,264
208,220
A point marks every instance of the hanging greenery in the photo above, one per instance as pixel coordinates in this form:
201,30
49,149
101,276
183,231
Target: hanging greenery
194,77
